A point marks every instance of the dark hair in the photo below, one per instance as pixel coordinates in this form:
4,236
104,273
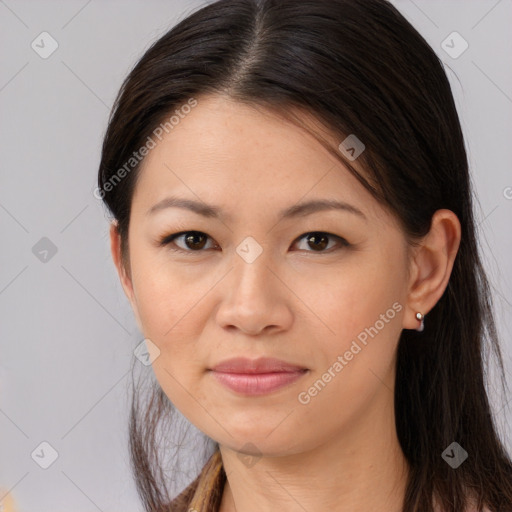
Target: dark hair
358,67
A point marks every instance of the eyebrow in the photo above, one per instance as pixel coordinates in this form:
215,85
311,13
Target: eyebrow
298,210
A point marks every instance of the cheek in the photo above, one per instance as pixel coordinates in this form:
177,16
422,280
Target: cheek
357,363
167,296
173,318
362,309
174,306
353,297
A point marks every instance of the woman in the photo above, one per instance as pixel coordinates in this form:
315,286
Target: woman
293,226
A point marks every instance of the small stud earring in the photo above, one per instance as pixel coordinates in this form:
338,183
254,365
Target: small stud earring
420,317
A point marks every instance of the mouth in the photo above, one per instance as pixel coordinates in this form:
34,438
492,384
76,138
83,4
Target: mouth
257,377
261,365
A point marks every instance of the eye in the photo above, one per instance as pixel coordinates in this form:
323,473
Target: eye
194,241
319,240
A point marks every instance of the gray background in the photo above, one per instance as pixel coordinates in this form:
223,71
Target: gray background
68,333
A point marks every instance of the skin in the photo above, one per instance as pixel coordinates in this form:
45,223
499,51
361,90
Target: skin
339,451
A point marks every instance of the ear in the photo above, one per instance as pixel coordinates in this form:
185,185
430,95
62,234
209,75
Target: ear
123,272
431,266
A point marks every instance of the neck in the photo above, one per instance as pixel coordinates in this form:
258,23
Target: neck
358,469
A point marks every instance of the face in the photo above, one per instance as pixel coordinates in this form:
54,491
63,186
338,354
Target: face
320,288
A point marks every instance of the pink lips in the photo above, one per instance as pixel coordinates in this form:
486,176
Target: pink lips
256,377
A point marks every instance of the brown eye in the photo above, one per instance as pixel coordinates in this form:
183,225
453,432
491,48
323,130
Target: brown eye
318,241
195,240
191,241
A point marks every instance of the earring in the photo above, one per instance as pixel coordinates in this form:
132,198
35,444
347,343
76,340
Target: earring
420,317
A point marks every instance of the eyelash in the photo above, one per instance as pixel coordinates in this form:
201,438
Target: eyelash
169,239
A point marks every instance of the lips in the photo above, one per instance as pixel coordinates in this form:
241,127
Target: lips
253,377
244,365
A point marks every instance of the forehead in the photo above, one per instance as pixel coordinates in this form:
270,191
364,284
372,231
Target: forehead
221,133
226,151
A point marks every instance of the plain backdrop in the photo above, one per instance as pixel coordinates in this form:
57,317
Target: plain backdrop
67,331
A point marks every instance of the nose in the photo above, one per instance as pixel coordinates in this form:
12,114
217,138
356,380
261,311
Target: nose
254,299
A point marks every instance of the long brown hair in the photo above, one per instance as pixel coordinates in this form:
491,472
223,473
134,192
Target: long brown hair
358,67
